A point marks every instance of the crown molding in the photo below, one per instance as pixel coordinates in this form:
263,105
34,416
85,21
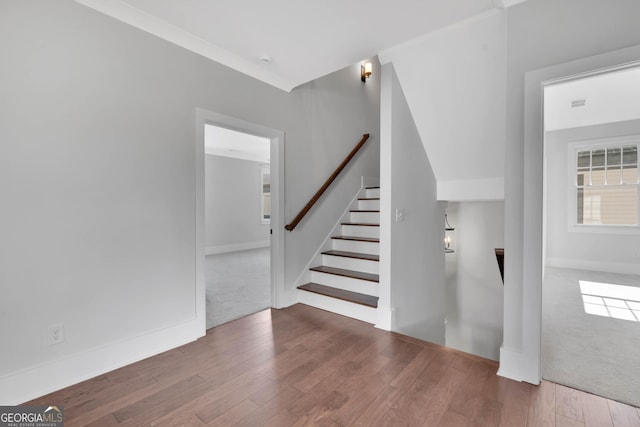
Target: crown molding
503,4
151,24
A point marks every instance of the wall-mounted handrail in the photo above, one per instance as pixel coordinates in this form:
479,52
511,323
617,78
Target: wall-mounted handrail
326,185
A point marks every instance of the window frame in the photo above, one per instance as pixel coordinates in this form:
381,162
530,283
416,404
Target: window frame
265,169
572,185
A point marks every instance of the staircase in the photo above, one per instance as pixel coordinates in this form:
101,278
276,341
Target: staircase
347,281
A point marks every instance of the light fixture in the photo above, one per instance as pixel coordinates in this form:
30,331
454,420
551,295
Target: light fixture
365,71
448,232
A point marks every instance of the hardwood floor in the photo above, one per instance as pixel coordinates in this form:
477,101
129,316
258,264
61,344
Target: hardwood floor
303,366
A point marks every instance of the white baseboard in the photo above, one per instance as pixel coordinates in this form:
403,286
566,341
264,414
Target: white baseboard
30,383
214,250
606,266
510,364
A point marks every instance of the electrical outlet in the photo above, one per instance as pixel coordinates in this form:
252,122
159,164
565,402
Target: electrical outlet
399,215
55,334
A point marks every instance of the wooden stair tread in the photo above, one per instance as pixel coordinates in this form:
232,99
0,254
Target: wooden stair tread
369,198
371,188
364,210
356,255
344,295
363,224
358,239
347,273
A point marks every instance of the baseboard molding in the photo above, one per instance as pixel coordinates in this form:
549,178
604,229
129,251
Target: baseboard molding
510,364
214,250
30,383
609,267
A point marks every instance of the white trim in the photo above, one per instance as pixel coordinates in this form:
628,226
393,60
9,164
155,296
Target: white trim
279,296
221,249
591,265
467,190
43,379
503,4
153,25
526,360
510,361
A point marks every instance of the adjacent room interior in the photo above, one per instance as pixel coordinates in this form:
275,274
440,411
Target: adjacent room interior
591,290
237,223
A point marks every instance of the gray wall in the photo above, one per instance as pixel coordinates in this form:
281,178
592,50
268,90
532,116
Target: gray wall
97,167
417,255
541,33
473,284
597,250
233,203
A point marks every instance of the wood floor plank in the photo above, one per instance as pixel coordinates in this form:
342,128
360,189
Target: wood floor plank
515,399
595,410
542,409
303,366
623,415
569,403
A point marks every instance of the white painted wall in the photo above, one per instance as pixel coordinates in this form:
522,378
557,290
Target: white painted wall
600,28
411,250
97,173
617,252
474,290
233,205
454,83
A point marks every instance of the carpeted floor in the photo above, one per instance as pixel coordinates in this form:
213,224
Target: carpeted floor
591,333
238,284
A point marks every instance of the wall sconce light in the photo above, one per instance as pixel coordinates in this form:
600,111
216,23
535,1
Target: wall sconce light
448,233
365,71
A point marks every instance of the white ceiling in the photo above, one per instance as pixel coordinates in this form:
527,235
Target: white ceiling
229,143
608,98
305,39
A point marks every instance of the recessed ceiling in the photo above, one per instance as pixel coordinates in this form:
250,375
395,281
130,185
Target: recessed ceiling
602,98
229,143
305,39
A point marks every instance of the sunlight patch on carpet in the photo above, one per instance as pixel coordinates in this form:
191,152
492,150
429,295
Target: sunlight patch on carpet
609,300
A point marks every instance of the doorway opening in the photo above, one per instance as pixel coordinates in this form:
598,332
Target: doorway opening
591,278
237,224
239,205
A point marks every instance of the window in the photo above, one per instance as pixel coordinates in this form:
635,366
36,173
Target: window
606,183
265,194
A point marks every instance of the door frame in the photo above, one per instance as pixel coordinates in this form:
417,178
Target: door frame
204,117
526,363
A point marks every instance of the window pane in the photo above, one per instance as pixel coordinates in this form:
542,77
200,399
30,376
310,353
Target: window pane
597,176
609,205
582,178
584,159
630,154
614,176
597,158
614,156
630,175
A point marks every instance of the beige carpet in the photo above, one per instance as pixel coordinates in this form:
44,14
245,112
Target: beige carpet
238,284
591,332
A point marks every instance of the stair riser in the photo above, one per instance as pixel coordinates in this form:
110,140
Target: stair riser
348,283
355,246
360,231
344,308
363,265
369,205
372,192
368,217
